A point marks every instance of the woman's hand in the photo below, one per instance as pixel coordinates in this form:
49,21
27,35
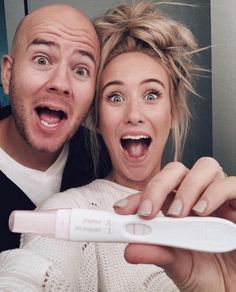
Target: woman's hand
177,191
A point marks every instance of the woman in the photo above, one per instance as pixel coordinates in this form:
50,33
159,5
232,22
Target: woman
141,98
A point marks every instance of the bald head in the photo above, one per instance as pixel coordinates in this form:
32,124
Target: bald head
67,18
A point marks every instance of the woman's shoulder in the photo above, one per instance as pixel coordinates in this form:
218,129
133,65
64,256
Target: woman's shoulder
100,193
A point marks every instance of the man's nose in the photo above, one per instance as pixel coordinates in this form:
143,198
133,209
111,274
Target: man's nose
59,81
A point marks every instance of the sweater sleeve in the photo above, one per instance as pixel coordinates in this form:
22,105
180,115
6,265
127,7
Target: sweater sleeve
47,264
23,270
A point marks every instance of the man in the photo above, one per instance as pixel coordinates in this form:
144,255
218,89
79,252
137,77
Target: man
50,77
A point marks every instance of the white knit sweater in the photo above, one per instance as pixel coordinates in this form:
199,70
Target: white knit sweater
45,264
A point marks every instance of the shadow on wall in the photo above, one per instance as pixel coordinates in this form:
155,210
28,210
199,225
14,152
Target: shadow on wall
3,49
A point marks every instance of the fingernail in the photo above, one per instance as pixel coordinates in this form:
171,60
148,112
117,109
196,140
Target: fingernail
145,208
200,207
176,207
121,203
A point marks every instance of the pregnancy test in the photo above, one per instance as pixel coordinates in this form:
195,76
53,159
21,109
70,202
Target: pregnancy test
207,234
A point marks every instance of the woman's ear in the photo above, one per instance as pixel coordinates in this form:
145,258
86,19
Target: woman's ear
7,63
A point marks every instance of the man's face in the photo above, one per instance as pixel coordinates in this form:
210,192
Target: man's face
52,77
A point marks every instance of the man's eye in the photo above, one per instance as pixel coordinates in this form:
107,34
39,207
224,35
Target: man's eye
81,71
41,60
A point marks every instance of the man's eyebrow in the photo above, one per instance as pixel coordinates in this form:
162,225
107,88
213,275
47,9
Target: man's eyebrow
43,42
154,80
51,43
86,53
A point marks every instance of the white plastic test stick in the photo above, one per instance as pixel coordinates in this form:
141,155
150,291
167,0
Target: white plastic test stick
208,234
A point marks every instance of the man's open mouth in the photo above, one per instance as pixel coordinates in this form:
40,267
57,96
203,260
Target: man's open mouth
135,146
50,117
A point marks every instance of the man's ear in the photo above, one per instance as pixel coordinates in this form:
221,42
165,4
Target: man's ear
7,63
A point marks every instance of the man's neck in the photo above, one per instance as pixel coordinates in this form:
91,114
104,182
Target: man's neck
18,149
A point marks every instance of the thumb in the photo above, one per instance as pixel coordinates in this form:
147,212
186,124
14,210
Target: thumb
128,205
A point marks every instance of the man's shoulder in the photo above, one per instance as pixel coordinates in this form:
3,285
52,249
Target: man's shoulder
12,198
12,190
5,112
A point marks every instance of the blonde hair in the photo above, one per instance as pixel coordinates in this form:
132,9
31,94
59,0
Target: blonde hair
142,27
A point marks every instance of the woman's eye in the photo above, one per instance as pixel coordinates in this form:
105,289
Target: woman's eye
153,95
115,98
41,60
81,71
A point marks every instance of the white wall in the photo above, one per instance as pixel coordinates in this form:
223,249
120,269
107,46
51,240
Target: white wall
223,23
14,12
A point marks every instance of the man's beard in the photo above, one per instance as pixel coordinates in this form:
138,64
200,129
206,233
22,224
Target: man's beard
18,113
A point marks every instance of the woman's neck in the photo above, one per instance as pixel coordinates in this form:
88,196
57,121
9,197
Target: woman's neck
124,181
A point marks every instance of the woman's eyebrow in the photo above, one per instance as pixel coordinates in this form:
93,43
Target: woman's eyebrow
113,82
118,82
153,80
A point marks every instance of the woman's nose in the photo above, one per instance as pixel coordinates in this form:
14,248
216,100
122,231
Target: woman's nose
134,113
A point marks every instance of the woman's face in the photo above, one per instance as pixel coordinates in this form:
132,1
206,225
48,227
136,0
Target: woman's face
135,116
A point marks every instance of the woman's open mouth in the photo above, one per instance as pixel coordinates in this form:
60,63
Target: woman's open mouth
135,146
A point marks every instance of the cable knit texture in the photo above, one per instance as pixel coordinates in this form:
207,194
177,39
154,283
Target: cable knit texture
46,264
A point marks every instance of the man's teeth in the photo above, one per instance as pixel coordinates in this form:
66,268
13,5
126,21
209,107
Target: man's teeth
136,137
46,124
